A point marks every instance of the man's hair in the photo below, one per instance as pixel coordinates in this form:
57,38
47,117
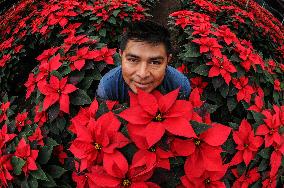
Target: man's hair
148,31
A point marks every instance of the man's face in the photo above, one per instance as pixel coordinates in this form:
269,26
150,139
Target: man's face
144,65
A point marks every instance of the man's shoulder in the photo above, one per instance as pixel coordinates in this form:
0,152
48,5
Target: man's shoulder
112,75
175,79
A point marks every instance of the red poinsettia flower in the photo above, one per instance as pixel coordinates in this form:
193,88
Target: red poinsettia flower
258,104
117,172
5,166
276,157
245,90
40,116
246,179
48,66
209,179
37,136
97,139
5,59
221,67
59,153
270,128
84,117
197,82
183,69
203,152
84,180
72,39
80,58
209,45
4,136
227,35
271,65
71,29
277,85
3,109
270,182
46,54
105,54
249,58
157,114
247,142
30,85
24,151
56,90
22,120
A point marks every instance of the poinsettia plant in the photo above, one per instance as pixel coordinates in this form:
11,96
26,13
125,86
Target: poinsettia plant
55,133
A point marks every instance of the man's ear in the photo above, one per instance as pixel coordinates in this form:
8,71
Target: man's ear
169,58
120,52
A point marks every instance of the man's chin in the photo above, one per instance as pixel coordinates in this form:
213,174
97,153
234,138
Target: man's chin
135,89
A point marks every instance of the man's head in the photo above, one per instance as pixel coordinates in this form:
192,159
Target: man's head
145,51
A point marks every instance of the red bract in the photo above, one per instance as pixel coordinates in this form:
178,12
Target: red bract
22,120
276,157
203,152
157,114
277,86
270,182
117,173
245,90
46,67
5,166
56,90
59,153
4,60
270,128
203,29
5,137
24,151
97,140
37,136
246,179
227,35
258,104
197,82
30,85
103,54
247,142
206,180
40,116
72,39
80,58
209,45
3,109
183,69
221,66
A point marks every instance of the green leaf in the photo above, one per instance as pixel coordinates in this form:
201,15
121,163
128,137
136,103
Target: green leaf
79,97
44,154
263,165
265,153
55,171
49,182
57,74
39,174
33,183
233,125
231,103
53,112
50,142
229,146
102,32
76,77
199,127
201,70
217,82
190,50
224,90
258,117
210,107
18,164
112,20
60,123
116,12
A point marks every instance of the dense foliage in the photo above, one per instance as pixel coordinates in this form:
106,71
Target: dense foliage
55,133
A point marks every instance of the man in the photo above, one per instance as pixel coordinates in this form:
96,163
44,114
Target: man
145,52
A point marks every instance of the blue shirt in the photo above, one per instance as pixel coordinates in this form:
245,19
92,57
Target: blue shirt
113,87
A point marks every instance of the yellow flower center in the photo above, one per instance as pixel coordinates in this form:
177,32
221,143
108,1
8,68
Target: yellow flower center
98,146
207,181
246,145
158,117
197,142
59,91
152,149
126,183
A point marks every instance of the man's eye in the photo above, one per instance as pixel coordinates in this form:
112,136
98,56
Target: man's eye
155,62
133,60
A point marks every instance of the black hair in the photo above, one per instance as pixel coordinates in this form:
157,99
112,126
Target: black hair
147,31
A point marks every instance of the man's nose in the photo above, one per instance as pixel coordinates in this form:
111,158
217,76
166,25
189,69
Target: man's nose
143,71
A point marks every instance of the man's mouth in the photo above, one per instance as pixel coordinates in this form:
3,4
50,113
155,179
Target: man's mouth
142,85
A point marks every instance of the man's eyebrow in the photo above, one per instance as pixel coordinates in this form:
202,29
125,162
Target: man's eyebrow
132,55
157,58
